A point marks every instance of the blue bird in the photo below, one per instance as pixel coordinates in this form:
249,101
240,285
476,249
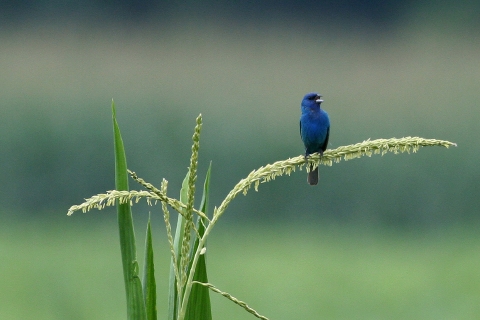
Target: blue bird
314,129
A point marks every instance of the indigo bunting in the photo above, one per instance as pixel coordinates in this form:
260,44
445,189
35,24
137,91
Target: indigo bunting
314,129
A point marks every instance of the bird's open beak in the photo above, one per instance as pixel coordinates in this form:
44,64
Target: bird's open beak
318,99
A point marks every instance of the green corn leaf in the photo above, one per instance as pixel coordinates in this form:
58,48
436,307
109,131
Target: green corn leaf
173,294
205,197
199,306
149,285
133,286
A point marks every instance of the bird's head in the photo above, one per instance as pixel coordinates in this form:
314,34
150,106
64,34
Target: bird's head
311,100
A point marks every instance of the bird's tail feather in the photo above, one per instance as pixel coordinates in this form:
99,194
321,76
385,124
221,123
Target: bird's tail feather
312,177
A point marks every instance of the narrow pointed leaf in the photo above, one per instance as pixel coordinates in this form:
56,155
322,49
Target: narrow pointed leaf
133,286
199,306
149,284
177,243
205,196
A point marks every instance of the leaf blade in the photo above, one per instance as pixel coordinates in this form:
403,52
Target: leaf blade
199,305
173,293
149,284
133,287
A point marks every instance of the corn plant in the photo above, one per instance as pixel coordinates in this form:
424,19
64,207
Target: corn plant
188,283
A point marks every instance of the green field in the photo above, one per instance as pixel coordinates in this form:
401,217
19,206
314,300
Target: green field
73,271
386,236
56,126
58,85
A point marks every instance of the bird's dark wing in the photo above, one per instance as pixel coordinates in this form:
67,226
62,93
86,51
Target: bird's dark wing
324,147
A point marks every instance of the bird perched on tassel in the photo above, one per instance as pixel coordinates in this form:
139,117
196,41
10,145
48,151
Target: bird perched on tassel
314,130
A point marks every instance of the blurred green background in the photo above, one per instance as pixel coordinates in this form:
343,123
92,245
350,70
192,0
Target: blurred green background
383,237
